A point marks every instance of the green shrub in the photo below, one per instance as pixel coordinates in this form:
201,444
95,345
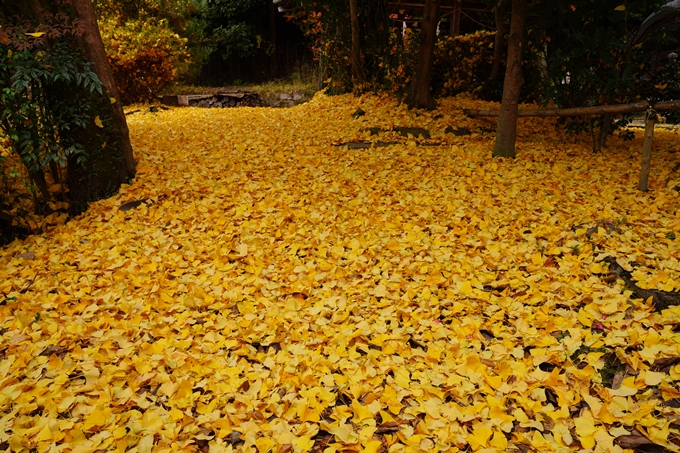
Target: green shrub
42,106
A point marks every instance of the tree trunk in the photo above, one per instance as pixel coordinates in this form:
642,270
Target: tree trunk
357,75
506,132
112,163
421,96
650,121
455,19
499,12
272,38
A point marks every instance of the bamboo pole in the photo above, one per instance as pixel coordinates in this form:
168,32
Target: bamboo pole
578,111
666,105
455,19
650,120
584,111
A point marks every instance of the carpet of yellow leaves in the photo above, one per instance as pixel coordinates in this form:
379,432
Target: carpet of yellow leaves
278,293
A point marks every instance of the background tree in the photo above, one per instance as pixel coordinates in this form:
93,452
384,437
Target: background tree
357,67
343,57
421,96
506,132
500,17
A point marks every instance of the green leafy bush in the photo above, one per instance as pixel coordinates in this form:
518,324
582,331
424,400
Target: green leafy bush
49,99
42,106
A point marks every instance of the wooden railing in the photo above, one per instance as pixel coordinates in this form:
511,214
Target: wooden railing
651,118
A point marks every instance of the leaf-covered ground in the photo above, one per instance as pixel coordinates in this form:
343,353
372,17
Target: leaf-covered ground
278,293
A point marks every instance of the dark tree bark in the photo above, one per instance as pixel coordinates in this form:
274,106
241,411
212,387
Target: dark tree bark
650,121
272,37
454,29
499,12
506,133
421,96
105,169
357,74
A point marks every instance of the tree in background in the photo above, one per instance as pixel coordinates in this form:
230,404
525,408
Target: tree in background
59,105
357,69
365,54
421,95
500,10
588,58
506,132
230,27
251,40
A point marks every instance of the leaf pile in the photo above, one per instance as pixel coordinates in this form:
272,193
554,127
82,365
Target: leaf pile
268,291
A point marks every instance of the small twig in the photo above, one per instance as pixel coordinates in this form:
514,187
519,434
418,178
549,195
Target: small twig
23,291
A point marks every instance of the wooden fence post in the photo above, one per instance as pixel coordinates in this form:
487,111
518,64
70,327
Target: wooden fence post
650,120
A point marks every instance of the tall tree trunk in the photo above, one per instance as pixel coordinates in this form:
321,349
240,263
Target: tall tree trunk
105,169
455,19
506,133
357,74
272,39
421,96
499,12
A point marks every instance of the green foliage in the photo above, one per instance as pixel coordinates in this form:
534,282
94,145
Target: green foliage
230,26
661,82
44,99
175,11
589,58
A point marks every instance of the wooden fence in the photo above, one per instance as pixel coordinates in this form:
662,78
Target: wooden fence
649,108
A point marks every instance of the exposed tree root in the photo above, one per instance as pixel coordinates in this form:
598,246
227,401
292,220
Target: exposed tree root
661,299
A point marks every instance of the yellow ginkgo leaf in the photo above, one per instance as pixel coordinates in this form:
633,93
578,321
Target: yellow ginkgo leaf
498,441
373,446
479,437
627,388
98,122
151,420
345,433
265,444
99,417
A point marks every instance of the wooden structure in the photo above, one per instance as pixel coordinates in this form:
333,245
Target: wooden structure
651,118
222,99
452,10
